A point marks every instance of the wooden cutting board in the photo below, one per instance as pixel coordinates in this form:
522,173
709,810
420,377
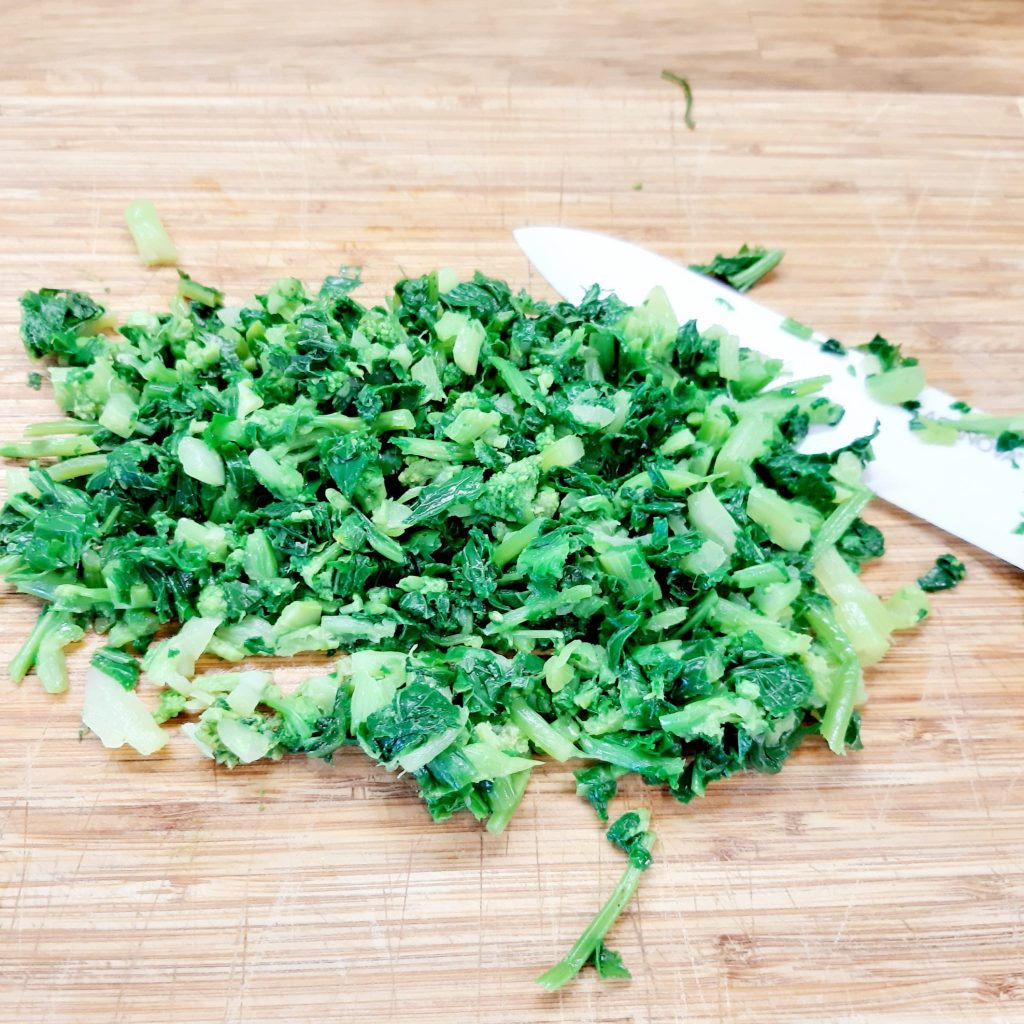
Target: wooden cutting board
882,146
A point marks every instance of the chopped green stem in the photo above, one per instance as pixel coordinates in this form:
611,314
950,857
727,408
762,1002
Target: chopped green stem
683,84
506,795
82,465
149,234
48,447
798,388
990,426
583,948
60,427
746,279
797,329
839,522
846,680
540,733
22,662
632,760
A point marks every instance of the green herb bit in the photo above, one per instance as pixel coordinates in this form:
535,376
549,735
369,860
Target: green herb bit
149,234
947,572
683,84
630,833
797,329
744,270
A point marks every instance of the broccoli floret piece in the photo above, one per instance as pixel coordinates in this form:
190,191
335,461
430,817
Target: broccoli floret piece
510,493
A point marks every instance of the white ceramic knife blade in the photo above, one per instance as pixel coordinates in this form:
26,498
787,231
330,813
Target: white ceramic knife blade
967,489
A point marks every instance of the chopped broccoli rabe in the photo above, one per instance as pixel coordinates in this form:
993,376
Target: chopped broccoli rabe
149,234
947,572
743,270
631,834
898,379
288,477
528,529
799,330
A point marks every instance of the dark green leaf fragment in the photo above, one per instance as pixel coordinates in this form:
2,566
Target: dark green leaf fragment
608,963
117,664
598,785
947,572
629,833
51,321
464,486
888,355
417,712
783,683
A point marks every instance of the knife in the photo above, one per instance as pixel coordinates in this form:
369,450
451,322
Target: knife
967,489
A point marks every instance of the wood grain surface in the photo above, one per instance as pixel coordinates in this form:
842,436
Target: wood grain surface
882,145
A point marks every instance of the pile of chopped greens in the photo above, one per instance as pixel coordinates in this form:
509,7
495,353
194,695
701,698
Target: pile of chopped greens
520,528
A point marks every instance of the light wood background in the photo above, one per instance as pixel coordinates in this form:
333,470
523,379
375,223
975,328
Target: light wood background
882,145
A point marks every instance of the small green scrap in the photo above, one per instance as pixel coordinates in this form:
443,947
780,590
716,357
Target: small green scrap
743,270
899,378
947,572
797,329
687,92
149,234
631,834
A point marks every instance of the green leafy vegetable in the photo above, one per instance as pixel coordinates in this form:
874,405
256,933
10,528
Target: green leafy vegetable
608,963
743,270
899,380
947,572
797,329
631,834
889,356
119,665
149,234
598,784
519,528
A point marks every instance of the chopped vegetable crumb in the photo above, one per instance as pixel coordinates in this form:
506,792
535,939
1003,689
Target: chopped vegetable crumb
683,84
797,329
743,270
899,379
149,234
631,834
947,572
